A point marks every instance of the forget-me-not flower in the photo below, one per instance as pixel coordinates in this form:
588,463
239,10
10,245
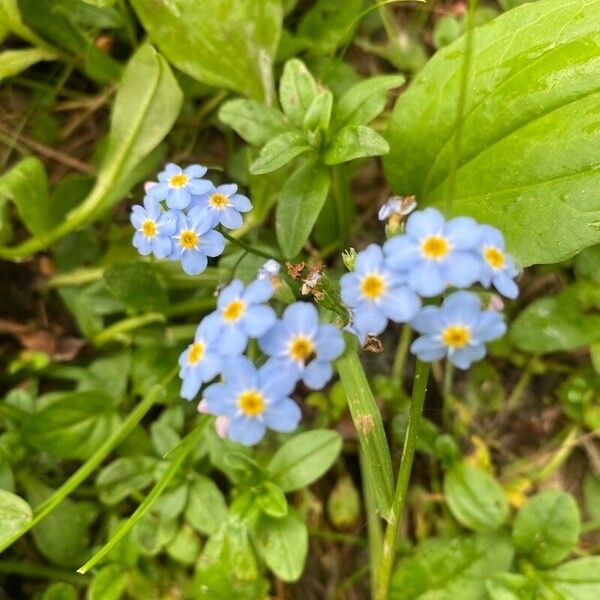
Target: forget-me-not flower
396,208
375,293
241,314
176,185
253,400
154,228
301,347
194,240
225,205
434,253
201,361
497,267
457,329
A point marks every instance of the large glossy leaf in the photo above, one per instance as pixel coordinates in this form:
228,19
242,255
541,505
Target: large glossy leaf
224,43
524,155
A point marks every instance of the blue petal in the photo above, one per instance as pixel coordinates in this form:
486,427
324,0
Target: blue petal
159,191
230,218
195,170
240,202
193,262
369,260
277,378
505,285
178,198
491,326
227,189
232,292
428,321
317,374
246,431
491,236
400,252
200,219
463,232
240,374
142,243
209,329
170,170
425,279
461,269
428,349
210,365
212,243
350,289
234,341
369,319
400,304
220,400
283,416
461,307
191,385
152,206
167,223
137,216
258,320
258,291
463,357
423,223
329,342
161,246
301,317
199,186
274,341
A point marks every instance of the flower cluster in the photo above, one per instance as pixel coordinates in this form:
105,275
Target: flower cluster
429,257
297,347
179,214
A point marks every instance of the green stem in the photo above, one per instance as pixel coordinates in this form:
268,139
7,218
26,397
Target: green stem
179,455
447,395
401,354
247,247
10,567
410,441
344,209
134,417
119,328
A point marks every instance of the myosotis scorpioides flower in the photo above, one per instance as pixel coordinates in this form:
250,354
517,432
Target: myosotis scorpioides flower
176,185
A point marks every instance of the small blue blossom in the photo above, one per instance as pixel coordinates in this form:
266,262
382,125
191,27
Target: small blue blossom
497,267
434,253
269,270
375,293
176,185
301,347
154,228
194,240
241,314
253,400
397,206
457,329
200,361
224,204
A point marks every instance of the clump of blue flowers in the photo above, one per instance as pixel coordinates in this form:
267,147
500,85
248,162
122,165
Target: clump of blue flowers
180,213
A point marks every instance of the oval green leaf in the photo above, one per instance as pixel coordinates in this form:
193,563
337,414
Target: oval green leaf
14,513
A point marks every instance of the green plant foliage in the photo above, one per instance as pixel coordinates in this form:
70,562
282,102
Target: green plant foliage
514,150
125,476
14,512
12,62
227,44
475,498
206,508
547,527
60,591
136,285
577,580
109,583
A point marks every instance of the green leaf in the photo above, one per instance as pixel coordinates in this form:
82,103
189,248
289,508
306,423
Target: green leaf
355,141
109,583
206,508
74,425
300,203
60,591
562,322
318,114
137,285
365,100
547,527
304,458
279,151
253,121
523,157
510,586
297,90
283,544
185,546
12,62
125,476
578,579
475,498
272,500
14,513
228,43
343,504
369,426
591,492
454,568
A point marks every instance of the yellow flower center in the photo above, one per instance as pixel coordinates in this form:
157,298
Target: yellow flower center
233,311
456,336
178,181
301,348
251,403
435,247
372,286
149,228
188,239
493,257
196,352
219,200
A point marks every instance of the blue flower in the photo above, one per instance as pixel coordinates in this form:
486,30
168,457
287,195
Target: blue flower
194,240
154,228
200,361
225,205
434,254
398,207
176,185
457,329
269,270
241,314
299,346
375,293
253,400
497,267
